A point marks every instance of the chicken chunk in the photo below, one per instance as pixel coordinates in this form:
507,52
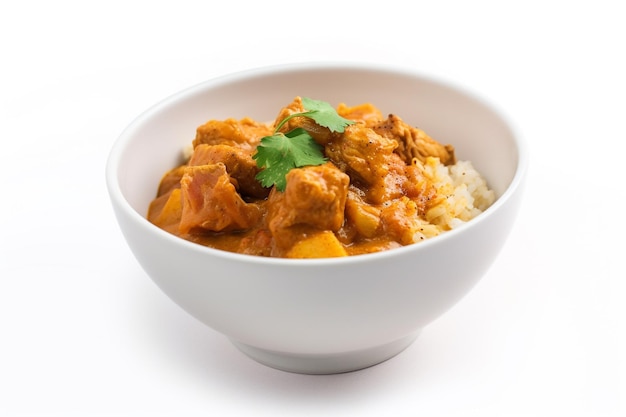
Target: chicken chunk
314,198
369,159
211,202
362,153
401,222
413,142
240,166
245,133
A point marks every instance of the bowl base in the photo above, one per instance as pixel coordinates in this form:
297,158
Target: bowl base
327,363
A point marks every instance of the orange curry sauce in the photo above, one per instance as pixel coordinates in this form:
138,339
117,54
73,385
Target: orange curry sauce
360,201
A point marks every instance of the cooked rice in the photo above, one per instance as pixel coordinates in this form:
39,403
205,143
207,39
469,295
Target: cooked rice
462,194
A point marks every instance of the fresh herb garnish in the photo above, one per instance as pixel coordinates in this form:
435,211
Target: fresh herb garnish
279,153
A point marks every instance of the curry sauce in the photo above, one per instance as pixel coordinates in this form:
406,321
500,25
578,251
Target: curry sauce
374,192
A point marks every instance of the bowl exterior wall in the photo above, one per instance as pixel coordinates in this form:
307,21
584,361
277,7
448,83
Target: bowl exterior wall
317,307
320,307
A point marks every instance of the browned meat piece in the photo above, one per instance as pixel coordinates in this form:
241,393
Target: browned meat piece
370,161
245,133
211,202
319,133
315,197
413,142
239,165
400,220
362,153
418,188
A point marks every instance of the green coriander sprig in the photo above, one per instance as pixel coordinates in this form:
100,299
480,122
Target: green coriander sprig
279,153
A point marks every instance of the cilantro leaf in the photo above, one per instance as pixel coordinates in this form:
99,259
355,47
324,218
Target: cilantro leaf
280,153
324,115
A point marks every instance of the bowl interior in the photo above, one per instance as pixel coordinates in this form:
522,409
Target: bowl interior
153,143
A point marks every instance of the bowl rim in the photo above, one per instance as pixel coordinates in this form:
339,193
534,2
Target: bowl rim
123,140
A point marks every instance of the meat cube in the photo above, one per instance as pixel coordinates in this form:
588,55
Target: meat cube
211,202
239,165
402,223
413,142
361,152
315,197
370,161
245,133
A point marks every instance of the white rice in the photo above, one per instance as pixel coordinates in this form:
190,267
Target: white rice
462,194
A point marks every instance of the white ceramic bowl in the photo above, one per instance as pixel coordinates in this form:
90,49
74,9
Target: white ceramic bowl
318,315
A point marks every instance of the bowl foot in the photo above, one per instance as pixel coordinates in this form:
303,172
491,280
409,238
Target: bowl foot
326,363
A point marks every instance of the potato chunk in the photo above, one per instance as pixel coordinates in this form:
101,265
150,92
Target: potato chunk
172,210
364,217
319,245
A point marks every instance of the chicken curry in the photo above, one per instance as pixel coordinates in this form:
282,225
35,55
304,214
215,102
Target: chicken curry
371,192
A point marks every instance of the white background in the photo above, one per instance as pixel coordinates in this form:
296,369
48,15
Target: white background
84,332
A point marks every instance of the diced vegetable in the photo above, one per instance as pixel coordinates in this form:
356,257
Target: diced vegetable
320,245
366,219
172,210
